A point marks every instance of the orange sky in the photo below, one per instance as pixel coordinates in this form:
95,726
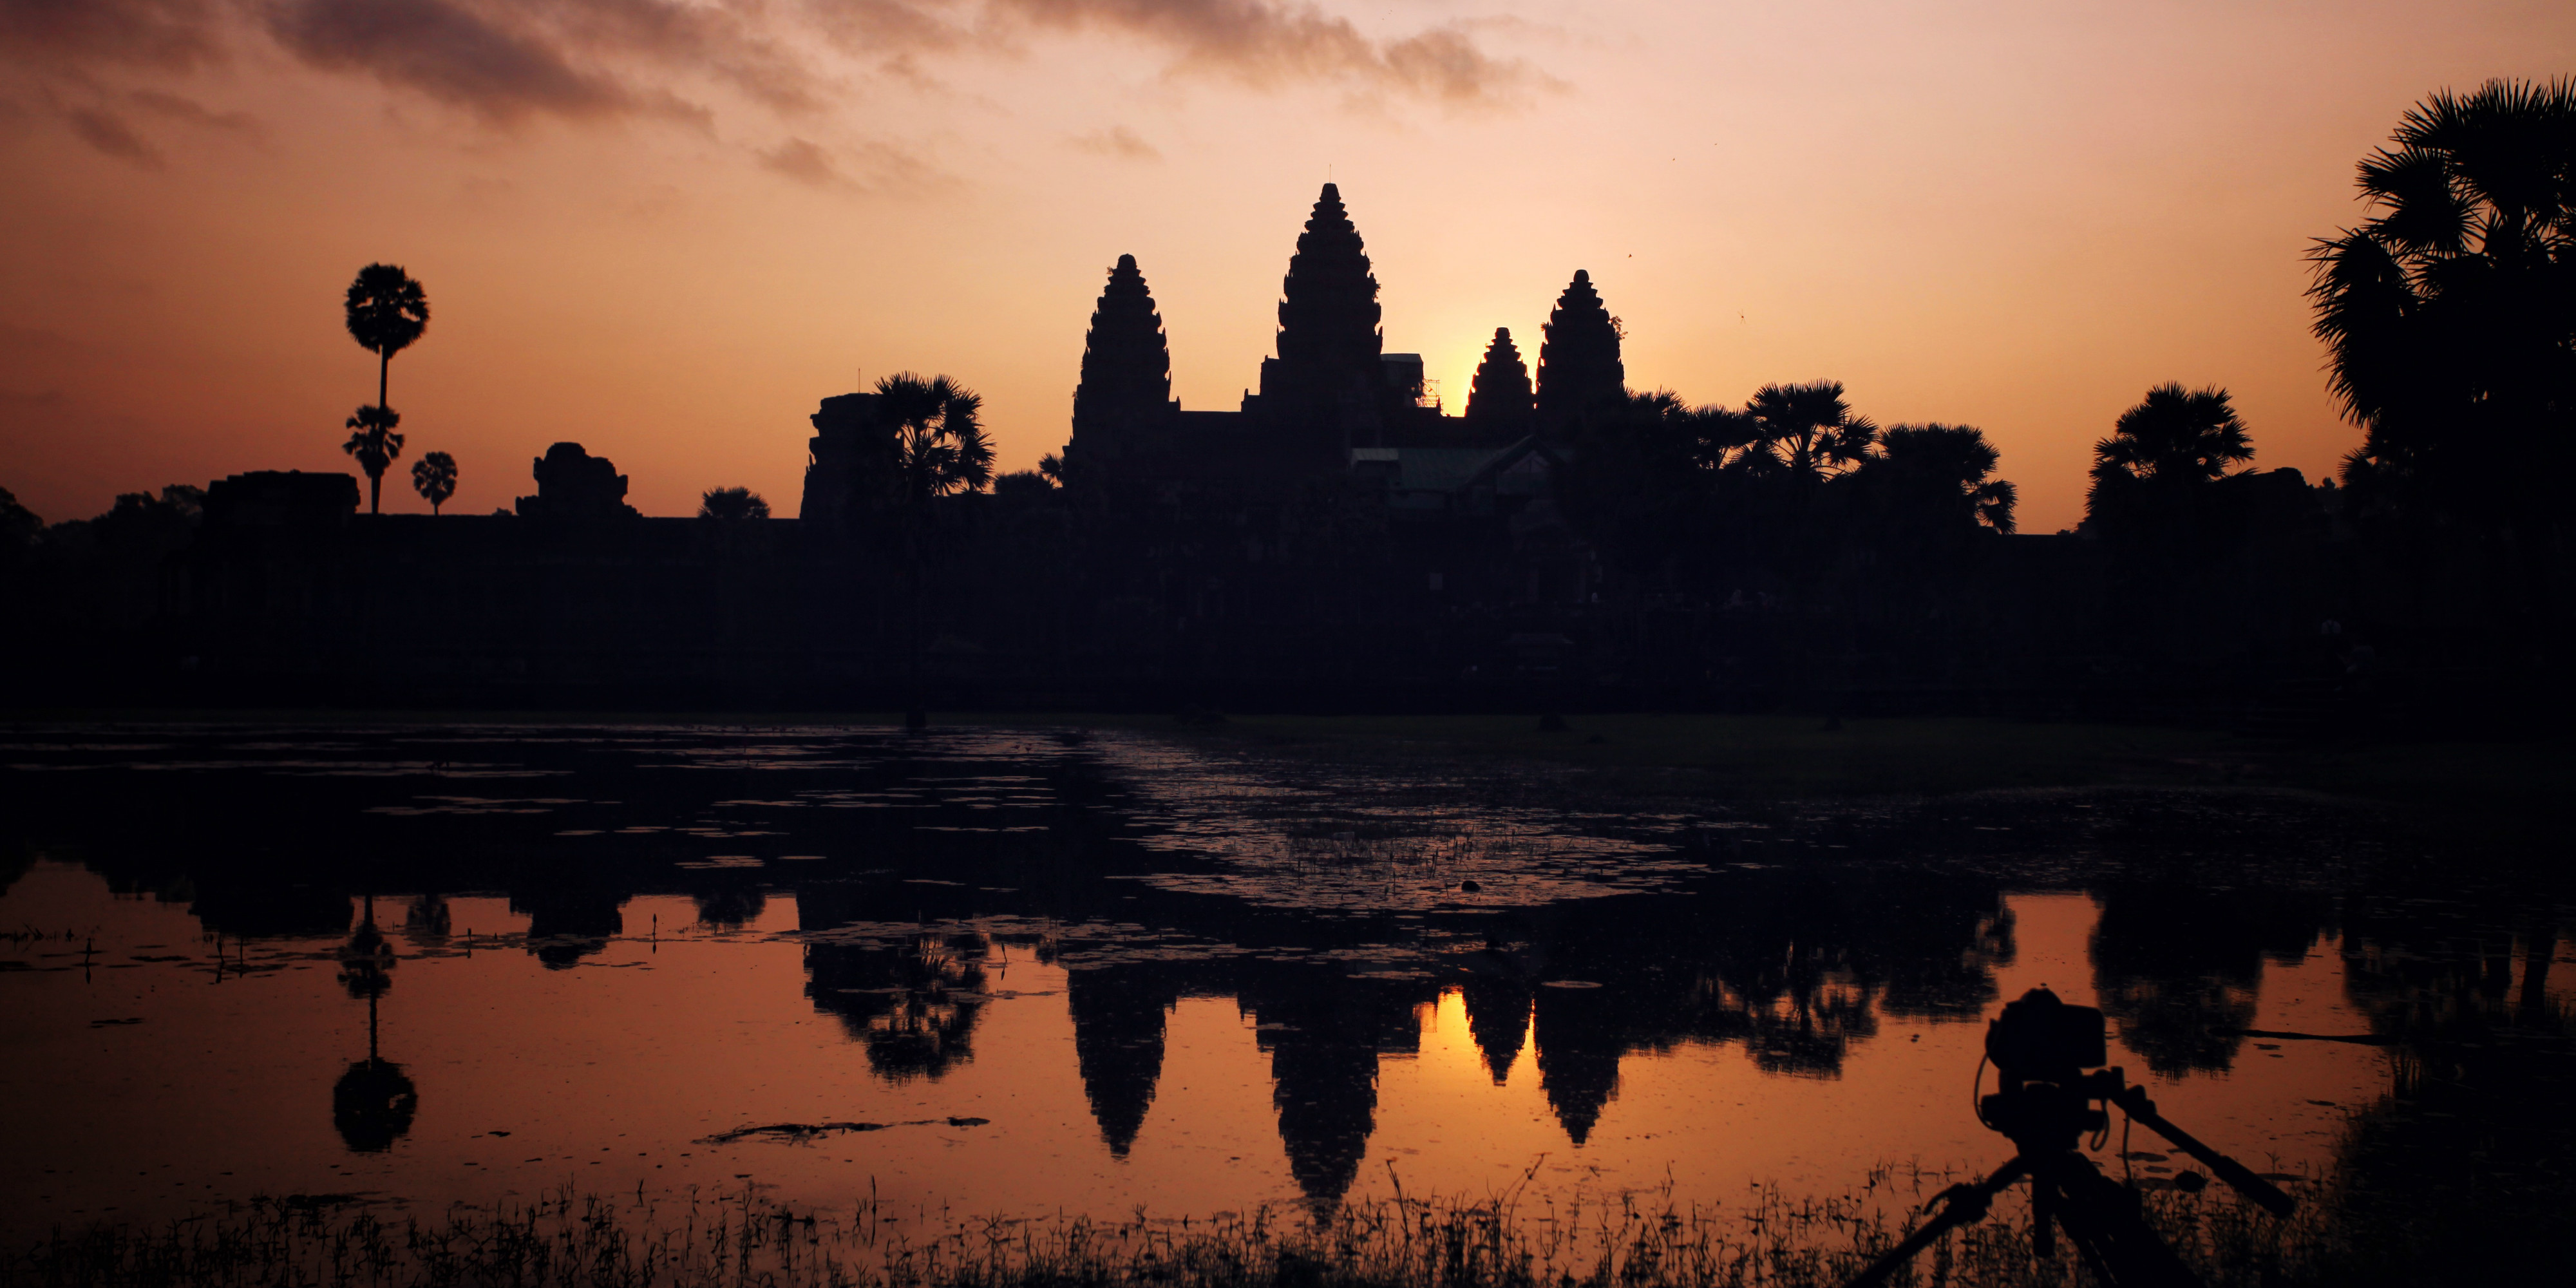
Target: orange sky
666,228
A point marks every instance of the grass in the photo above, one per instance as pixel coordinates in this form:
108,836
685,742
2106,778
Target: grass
573,1240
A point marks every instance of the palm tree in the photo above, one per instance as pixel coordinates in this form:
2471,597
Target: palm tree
938,450
1806,432
1946,469
2169,445
2450,317
1051,468
732,503
939,447
434,477
373,441
386,312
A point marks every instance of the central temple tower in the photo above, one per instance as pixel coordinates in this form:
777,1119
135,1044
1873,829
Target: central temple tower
1326,383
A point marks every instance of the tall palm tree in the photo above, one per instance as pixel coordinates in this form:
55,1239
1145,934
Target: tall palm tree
938,450
2450,317
373,441
386,311
434,477
1806,432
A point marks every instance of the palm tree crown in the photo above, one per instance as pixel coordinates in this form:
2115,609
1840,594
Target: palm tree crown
373,441
732,503
1949,466
2450,318
1805,431
387,310
2177,436
434,477
939,446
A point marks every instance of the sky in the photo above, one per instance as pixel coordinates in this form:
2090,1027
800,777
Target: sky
665,229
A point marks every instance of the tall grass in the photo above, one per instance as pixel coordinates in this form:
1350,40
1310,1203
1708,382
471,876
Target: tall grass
571,1239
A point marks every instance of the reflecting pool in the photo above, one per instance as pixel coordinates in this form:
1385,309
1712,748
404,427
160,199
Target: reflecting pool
1021,972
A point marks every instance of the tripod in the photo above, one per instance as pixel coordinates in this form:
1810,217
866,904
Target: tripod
2046,1108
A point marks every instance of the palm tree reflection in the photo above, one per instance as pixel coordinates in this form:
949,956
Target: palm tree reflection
914,1004
373,1102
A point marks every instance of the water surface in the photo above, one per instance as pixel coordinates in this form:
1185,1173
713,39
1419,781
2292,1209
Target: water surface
1024,972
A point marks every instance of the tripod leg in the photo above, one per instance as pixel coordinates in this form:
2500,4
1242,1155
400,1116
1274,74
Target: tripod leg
2103,1222
2043,1217
1960,1205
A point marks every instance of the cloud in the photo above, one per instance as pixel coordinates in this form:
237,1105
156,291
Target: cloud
507,61
189,110
156,33
1117,141
878,168
1267,44
890,26
735,41
804,161
448,52
890,170
108,132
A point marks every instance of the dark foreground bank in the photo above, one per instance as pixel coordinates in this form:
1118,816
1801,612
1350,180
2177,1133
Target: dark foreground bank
576,1240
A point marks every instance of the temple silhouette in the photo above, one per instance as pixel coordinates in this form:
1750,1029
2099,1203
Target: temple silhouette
1333,410
1339,540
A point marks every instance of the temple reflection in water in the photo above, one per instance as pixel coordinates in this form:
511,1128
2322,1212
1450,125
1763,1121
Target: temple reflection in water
898,884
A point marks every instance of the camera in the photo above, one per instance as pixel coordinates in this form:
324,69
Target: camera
2053,1092
2042,1039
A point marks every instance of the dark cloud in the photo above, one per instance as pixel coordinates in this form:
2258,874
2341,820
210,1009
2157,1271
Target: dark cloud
158,33
448,52
510,60
108,132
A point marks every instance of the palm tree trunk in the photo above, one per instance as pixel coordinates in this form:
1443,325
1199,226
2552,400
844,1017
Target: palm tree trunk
376,478
916,714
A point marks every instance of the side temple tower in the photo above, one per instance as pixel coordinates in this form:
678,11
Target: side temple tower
1500,399
1123,404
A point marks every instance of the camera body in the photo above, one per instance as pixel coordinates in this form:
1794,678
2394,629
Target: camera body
2042,1039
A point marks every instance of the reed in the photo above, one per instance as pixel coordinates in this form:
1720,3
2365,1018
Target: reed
573,1239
